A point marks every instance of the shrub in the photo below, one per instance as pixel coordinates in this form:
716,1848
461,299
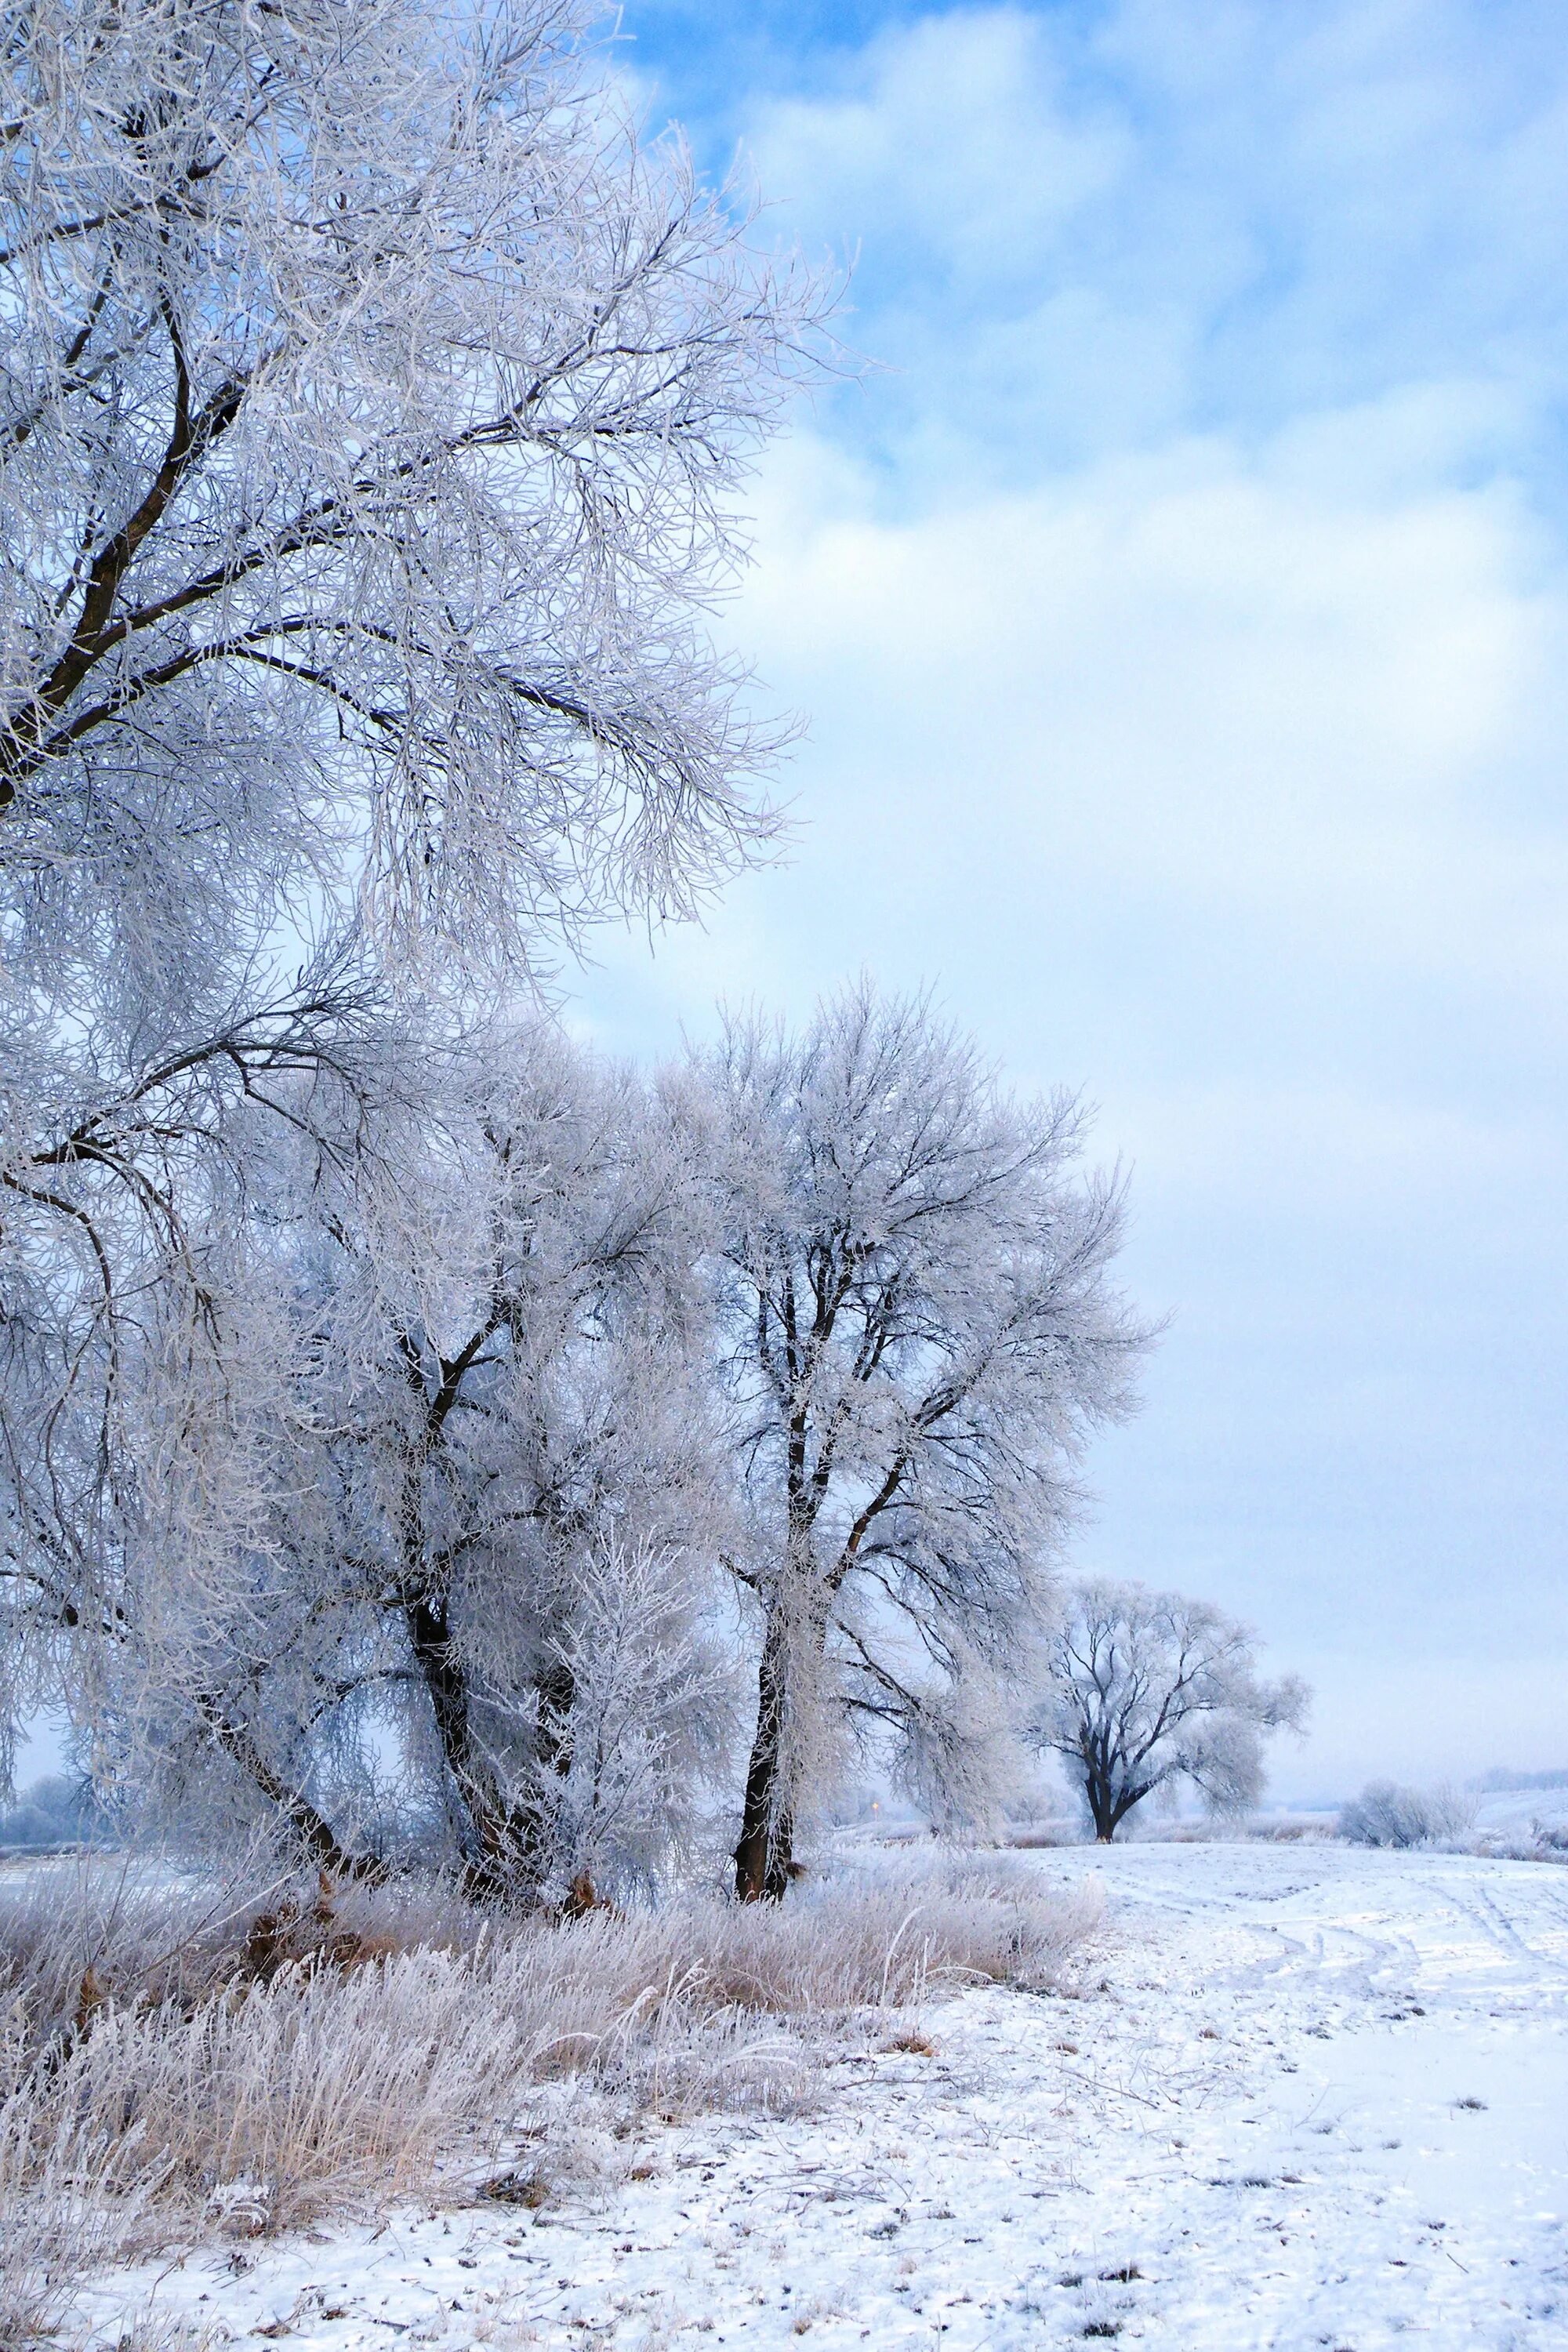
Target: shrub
1386,1814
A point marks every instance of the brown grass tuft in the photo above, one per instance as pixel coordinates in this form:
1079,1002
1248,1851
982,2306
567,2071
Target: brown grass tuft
175,2060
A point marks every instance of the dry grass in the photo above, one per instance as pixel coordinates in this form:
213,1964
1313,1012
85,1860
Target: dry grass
217,2077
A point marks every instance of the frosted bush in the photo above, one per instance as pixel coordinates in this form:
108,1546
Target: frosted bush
54,1812
1385,1815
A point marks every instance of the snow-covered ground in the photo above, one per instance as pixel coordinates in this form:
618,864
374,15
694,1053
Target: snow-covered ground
1304,2096
1519,1812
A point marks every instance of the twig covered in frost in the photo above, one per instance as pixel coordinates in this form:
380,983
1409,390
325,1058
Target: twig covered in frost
372,405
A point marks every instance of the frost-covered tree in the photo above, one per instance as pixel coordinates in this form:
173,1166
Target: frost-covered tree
492,1518
139,1351
1146,1689
370,407
917,1333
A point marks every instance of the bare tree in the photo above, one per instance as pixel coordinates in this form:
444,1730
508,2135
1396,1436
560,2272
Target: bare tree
1146,1689
917,1335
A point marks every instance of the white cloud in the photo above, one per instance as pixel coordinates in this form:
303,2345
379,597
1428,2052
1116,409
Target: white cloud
960,140
1210,684
1080,228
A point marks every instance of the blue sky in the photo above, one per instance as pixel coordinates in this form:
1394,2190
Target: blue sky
1179,605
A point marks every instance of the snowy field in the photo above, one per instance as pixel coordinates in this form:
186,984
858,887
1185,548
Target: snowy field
1301,2096
1522,1812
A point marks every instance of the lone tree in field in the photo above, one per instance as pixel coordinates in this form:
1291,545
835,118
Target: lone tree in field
1148,1688
918,1334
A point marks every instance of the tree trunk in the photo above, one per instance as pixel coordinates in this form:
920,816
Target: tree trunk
492,1857
766,1852
510,1853
1102,1809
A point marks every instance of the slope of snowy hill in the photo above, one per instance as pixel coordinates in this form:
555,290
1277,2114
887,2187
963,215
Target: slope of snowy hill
1521,1812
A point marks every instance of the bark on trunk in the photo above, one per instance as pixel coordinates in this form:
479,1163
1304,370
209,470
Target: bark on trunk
1103,1811
766,1850
1109,1805
492,1859
311,1829
512,1849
